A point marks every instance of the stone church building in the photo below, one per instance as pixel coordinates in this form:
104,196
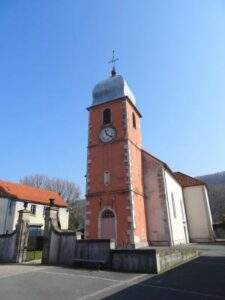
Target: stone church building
132,196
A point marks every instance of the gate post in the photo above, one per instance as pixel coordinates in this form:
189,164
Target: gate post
51,218
22,233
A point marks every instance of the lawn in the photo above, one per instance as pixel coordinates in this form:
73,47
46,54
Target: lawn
34,255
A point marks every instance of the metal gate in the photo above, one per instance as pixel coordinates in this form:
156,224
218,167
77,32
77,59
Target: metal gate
35,243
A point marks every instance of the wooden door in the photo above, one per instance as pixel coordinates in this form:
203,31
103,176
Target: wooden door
108,226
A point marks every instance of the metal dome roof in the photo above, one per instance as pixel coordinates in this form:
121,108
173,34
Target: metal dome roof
110,89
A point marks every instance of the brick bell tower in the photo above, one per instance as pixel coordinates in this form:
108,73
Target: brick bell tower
114,191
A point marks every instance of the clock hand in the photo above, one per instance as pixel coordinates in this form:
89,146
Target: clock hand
108,134
106,131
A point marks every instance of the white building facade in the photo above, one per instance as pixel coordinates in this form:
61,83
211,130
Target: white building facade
12,199
177,205
197,208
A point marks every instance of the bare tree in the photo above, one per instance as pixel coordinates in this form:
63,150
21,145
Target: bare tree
68,190
37,181
77,212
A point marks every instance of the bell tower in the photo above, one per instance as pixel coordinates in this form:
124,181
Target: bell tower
115,205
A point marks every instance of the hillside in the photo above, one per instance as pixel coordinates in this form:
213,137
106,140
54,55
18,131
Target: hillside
216,186
214,179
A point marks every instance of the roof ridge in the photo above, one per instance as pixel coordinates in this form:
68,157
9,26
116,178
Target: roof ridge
23,192
27,186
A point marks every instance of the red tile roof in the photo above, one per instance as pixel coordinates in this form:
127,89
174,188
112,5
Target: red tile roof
22,192
186,180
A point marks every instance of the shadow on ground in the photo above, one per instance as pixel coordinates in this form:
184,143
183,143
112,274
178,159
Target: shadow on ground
202,278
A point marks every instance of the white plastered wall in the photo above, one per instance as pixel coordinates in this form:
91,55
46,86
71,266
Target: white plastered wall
177,220
38,218
64,218
198,214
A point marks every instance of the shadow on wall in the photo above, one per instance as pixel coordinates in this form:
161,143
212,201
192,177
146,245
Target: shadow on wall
202,278
219,229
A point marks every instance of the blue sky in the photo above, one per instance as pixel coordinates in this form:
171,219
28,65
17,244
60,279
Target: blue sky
52,53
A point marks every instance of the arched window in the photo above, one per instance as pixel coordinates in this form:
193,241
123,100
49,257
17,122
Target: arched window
108,214
134,120
107,116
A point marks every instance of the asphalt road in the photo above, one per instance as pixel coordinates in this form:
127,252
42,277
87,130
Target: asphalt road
202,278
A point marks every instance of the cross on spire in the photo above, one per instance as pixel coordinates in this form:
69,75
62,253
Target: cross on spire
113,62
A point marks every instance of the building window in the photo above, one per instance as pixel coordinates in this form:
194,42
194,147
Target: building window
106,178
174,207
33,209
107,116
134,120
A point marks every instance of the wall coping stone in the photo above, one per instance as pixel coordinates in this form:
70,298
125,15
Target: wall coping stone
95,241
61,231
7,235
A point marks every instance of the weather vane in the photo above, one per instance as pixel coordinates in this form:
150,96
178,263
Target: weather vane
113,62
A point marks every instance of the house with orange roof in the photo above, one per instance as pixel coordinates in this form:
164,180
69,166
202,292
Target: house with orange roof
13,196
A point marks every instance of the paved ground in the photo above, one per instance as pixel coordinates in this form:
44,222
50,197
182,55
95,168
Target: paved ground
203,278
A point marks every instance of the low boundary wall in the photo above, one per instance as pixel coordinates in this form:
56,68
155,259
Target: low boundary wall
8,247
94,250
13,246
62,248
171,257
59,247
134,260
154,260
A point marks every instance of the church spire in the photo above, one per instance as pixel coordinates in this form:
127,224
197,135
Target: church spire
113,62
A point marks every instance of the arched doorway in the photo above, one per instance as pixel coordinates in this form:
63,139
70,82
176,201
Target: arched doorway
108,224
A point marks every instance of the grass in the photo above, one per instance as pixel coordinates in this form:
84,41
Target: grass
33,255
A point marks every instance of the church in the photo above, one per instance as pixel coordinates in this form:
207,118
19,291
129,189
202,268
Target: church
133,197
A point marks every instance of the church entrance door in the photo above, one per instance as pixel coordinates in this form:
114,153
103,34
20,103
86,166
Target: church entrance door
108,225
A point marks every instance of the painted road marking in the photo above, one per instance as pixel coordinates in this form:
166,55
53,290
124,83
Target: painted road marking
106,289
80,275
23,272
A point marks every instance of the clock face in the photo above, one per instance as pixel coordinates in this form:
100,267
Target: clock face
107,134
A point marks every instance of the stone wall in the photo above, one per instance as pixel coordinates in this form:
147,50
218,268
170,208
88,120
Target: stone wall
134,260
13,247
169,258
61,247
155,260
94,250
7,247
